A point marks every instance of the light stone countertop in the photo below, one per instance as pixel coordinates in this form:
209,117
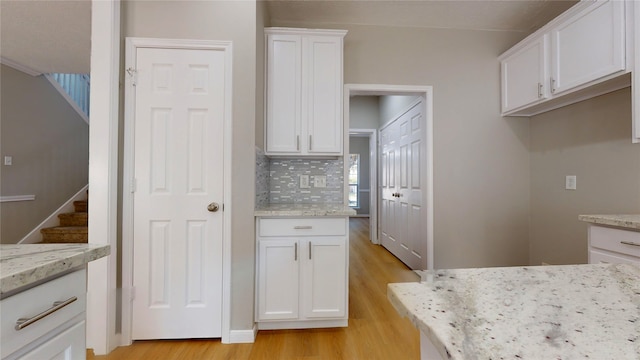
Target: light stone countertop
629,221
542,312
24,265
304,210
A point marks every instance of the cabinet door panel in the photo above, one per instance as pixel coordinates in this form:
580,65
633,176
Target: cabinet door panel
68,345
278,279
324,277
589,46
323,96
523,75
283,105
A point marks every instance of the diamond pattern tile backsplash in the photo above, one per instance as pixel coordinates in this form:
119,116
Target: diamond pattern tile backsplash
283,181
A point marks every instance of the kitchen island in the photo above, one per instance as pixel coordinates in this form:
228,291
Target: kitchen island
539,312
43,299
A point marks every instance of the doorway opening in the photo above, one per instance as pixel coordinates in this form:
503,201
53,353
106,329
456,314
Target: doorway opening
364,118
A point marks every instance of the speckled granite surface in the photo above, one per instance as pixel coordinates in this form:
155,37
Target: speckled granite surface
304,210
629,221
544,312
26,264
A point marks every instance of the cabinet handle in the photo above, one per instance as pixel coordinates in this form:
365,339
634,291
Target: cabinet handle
540,87
629,243
309,250
295,253
310,142
306,227
297,142
24,322
553,85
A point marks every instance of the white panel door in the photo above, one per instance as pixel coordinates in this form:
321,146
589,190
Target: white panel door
178,169
403,221
590,46
322,98
324,277
278,279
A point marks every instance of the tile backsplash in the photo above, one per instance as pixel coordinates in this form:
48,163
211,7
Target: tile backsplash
278,180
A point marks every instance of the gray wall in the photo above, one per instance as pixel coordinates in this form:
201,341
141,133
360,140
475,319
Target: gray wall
220,20
360,145
481,160
49,143
592,140
392,105
364,112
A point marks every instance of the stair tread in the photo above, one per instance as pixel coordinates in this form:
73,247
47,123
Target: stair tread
77,229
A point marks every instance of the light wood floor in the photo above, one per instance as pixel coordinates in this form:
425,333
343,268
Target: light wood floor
375,330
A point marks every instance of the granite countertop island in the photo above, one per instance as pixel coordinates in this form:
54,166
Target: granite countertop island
540,312
628,221
321,209
25,265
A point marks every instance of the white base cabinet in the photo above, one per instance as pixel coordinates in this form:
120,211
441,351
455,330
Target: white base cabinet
56,328
613,245
302,272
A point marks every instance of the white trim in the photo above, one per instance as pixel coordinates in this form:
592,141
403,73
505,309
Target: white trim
66,96
103,174
25,69
243,336
372,134
132,44
14,198
34,236
360,216
427,93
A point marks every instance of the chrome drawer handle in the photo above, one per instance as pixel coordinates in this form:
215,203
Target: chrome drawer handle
24,322
629,243
303,227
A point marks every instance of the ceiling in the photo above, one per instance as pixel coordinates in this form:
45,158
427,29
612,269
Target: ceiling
55,35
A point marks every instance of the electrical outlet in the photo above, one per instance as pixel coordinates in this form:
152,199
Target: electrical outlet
320,181
8,160
304,182
570,182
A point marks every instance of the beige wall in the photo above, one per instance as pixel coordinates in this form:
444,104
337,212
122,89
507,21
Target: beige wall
49,143
591,140
220,20
481,160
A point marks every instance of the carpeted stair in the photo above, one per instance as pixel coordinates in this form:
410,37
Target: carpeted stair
74,227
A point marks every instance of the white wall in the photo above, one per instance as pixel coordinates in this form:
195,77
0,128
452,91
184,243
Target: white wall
592,140
481,160
220,20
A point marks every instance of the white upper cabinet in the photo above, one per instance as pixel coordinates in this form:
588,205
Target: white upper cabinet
523,75
304,92
588,46
579,55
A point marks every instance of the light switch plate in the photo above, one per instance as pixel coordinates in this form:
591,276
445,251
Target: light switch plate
570,182
320,181
304,182
8,160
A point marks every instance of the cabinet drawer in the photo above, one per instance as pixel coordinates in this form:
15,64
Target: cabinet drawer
617,240
37,300
311,226
597,257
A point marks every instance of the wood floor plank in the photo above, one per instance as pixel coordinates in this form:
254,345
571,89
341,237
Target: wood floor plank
375,330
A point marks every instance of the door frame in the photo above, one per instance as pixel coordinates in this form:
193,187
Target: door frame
372,135
128,292
427,161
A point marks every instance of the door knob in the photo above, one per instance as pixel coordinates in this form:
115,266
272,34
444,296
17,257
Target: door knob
213,207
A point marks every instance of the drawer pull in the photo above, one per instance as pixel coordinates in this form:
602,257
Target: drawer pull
629,243
24,322
295,252
307,227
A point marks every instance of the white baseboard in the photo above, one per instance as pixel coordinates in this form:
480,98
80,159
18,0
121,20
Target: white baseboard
243,336
34,236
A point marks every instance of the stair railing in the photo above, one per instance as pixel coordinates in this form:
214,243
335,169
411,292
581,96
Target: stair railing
75,89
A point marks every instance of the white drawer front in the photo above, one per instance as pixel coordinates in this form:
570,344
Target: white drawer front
597,257
34,301
621,241
311,226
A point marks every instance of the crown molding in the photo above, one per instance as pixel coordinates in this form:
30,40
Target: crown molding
19,67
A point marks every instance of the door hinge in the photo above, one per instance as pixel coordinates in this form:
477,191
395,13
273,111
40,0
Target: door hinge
133,294
134,185
133,75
